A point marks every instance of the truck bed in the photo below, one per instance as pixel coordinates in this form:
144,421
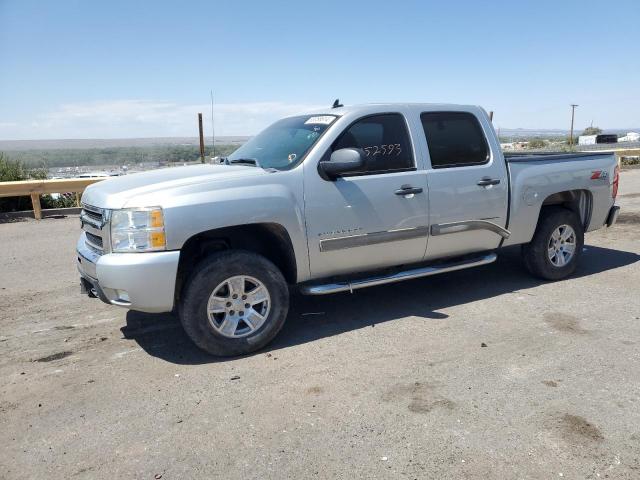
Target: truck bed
535,176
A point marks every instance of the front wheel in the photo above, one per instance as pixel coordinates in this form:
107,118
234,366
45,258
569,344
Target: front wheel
235,302
556,246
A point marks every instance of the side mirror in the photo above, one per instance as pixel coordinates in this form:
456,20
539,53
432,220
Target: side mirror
345,160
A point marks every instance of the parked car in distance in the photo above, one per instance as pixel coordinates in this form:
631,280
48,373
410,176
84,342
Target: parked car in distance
333,201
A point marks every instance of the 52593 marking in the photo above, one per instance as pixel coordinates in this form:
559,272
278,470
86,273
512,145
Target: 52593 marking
383,150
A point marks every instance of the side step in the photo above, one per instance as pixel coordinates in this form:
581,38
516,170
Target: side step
350,286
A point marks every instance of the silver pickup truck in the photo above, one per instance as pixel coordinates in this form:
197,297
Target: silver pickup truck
333,201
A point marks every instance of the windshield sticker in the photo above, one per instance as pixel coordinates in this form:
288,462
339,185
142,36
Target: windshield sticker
320,120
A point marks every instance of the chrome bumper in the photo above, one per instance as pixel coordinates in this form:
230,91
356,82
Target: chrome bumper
138,281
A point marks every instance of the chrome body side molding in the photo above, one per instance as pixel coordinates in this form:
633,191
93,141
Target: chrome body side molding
350,286
467,225
373,238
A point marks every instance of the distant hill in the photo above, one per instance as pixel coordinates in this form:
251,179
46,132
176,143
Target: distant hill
114,153
81,144
91,143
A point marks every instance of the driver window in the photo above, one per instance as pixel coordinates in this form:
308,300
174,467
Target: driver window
384,140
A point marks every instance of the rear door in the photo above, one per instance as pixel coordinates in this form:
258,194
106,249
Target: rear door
364,220
468,184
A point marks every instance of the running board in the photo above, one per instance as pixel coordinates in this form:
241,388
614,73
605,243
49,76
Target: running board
350,286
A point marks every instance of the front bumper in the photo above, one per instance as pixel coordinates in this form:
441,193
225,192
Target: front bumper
138,281
613,216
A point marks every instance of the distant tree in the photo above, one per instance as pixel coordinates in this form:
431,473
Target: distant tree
592,131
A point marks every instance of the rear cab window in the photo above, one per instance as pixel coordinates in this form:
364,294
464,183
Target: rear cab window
385,141
455,139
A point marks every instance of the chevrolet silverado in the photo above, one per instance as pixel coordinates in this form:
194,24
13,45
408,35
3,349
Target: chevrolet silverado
333,201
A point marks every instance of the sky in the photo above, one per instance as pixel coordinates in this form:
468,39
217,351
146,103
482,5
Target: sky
120,69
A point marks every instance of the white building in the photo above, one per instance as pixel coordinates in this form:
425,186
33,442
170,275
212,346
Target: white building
630,137
587,139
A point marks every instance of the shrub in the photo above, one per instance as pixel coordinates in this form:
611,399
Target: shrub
65,200
11,171
632,160
14,170
536,143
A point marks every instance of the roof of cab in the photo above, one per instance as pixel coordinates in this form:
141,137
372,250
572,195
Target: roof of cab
385,107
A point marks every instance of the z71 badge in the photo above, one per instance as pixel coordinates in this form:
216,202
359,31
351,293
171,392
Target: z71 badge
599,175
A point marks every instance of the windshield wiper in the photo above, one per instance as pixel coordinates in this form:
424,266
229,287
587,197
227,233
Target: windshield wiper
244,161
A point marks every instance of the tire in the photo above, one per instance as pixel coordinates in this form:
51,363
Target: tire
224,273
538,255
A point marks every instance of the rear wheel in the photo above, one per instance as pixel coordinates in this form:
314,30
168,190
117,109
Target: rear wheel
556,247
234,303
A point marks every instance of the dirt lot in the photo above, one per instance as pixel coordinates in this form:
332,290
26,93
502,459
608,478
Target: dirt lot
484,373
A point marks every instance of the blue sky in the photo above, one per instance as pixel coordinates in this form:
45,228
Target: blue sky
109,69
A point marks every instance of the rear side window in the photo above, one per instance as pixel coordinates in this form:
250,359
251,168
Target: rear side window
455,139
384,140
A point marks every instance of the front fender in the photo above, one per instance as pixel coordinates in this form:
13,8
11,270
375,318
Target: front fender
193,211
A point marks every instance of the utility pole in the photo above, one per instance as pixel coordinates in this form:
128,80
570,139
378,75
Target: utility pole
213,131
201,137
573,112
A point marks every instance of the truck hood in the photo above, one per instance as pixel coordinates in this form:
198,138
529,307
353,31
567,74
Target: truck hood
117,192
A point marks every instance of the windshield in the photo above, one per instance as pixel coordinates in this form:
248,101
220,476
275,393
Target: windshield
283,144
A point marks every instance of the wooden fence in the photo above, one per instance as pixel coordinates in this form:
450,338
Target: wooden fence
35,188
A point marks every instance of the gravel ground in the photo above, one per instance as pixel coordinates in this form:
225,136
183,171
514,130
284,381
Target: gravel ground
484,373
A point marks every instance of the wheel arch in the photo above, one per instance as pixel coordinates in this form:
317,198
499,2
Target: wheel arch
578,201
270,240
539,253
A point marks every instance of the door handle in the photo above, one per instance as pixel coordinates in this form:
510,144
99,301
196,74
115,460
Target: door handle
486,181
408,190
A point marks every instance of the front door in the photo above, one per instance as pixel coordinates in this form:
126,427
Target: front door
364,220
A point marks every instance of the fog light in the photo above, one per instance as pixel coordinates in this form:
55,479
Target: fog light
123,296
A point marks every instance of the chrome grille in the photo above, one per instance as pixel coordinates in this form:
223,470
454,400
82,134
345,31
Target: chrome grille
92,220
94,240
97,216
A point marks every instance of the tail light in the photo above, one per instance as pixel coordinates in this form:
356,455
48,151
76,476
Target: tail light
616,181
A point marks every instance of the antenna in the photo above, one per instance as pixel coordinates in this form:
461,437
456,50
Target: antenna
213,130
337,104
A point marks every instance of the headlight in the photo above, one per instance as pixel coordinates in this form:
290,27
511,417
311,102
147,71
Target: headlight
137,230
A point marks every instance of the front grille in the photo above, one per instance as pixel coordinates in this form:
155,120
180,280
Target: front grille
94,240
92,220
97,216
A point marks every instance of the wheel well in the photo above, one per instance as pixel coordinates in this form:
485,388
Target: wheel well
270,240
578,201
